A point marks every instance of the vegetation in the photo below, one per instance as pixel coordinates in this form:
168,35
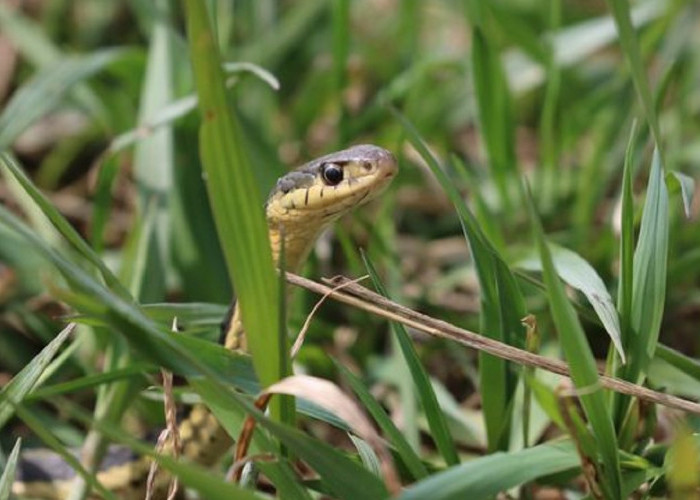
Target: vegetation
138,141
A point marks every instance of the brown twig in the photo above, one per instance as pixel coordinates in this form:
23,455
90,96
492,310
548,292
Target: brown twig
362,298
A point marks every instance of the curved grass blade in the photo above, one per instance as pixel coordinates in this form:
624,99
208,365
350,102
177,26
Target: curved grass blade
409,457
486,476
575,271
495,116
687,187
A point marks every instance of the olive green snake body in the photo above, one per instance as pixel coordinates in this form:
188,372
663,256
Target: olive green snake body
302,204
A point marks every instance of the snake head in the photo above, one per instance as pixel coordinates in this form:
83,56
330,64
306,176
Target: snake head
326,188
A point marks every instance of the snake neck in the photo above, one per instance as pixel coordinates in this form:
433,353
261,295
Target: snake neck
297,244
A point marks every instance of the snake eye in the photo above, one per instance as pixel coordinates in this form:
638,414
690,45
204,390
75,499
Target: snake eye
332,174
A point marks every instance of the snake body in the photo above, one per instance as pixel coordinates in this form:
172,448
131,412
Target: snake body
302,204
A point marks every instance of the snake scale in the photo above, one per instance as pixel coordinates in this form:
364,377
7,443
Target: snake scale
301,205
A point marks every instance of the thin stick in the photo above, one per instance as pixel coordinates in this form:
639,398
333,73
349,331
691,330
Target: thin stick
362,298
302,333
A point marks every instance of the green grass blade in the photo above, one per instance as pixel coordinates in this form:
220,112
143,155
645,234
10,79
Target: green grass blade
341,50
60,223
134,370
154,159
235,200
485,477
8,474
578,273
502,305
624,298
495,117
409,457
46,89
689,366
649,274
22,383
433,413
630,47
581,362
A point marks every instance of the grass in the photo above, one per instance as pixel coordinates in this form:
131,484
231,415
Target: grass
145,203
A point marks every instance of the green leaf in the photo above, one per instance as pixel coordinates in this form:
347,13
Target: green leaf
486,476
582,364
575,271
625,291
134,370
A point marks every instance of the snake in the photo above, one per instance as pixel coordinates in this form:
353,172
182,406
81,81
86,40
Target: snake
302,204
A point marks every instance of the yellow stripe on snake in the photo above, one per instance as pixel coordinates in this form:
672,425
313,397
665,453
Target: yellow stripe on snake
302,204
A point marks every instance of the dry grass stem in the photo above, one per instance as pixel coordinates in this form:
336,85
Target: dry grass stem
362,298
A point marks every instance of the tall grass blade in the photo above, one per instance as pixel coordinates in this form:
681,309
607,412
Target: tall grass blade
433,413
624,297
154,156
495,117
8,475
409,457
502,305
582,364
649,274
235,199
631,50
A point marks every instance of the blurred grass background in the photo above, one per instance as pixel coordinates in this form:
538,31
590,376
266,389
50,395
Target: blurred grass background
98,109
